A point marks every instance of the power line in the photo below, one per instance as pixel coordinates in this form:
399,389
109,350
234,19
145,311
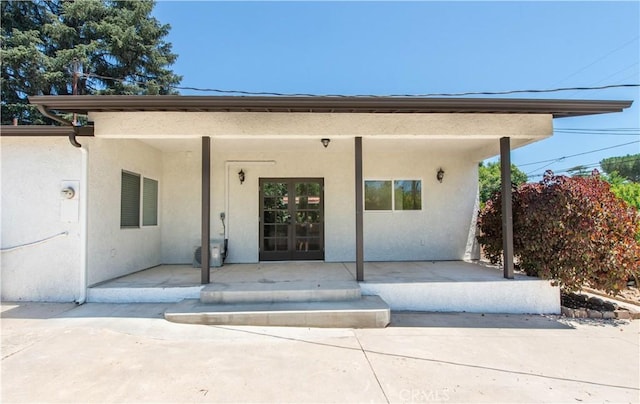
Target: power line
277,94
598,59
589,165
598,133
578,154
600,129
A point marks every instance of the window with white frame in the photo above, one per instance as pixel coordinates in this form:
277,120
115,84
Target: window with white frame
388,195
138,195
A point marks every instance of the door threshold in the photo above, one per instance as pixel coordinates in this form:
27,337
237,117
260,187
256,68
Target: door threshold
291,261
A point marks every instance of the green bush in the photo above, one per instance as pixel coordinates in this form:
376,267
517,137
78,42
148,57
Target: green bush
574,231
624,189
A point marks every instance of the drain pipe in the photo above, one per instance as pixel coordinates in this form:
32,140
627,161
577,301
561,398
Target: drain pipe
84,193
84,217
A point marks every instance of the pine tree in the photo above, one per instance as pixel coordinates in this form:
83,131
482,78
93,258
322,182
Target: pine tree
45,42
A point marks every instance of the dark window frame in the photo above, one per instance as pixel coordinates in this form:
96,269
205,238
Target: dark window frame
137,209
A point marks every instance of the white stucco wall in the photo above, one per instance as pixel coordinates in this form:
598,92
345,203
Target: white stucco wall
440,230
114,251
397,146
181,206
295,125
32,172
302,158
437,232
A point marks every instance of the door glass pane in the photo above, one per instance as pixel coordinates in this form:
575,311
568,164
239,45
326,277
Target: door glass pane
273,202
282,244
307,244
276,195
269,244
276,216
269,230
275,189
305,230
282,231
302,230
307,189
291,227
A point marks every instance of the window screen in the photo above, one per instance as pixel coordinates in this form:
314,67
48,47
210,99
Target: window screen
130,200
149,202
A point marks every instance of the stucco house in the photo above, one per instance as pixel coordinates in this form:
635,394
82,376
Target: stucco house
332,179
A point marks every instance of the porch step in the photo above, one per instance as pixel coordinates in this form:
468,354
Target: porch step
365,312
280,292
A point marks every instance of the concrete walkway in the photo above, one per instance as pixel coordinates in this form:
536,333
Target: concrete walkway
128,353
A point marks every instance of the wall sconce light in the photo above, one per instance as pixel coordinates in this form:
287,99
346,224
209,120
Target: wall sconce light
241,176
325,142
440,174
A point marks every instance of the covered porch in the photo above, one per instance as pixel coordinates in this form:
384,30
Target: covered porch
442,286
207,161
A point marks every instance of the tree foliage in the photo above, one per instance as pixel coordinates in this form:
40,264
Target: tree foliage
626,190
45,41
574,231
491,180
627,167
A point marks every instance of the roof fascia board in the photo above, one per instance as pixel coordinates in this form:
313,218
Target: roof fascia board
558,108
45,130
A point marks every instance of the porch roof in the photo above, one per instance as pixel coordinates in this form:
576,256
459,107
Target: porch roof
349,104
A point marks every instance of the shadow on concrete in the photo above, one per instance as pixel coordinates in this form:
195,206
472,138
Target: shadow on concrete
399,319
43,311
476,320
34,311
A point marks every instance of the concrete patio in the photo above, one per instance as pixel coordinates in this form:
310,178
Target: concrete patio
64,353
446,286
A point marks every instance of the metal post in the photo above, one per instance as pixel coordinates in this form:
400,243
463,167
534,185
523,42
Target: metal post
507,214
206,208
359,212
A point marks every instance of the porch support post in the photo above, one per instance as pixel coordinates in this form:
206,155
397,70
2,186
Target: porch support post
206,208
359,212
507,214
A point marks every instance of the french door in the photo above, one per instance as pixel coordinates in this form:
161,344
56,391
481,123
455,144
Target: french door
291,219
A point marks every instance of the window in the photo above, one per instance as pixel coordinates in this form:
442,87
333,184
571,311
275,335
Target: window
138,194
150,202
377,195
408,195
393,195
130,200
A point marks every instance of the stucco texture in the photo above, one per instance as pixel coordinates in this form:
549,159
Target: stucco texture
115,251
32,172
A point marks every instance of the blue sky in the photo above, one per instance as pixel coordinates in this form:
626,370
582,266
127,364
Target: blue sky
385,48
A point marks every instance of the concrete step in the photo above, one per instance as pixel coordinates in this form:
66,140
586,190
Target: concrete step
366,312
272,292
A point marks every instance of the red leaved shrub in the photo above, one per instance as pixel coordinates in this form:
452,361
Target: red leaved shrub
572,230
